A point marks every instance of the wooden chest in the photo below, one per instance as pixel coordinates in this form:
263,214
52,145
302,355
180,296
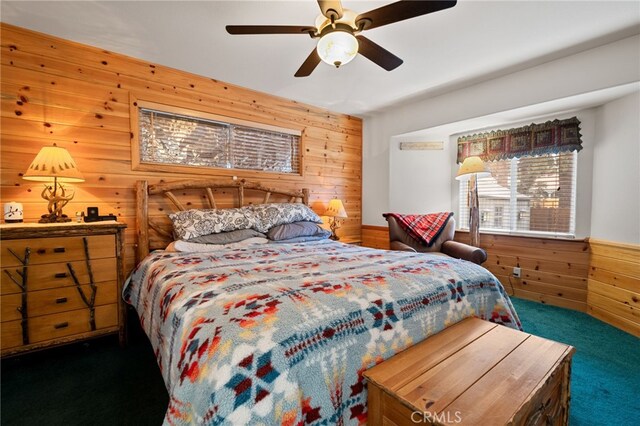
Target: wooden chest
59,283
473,373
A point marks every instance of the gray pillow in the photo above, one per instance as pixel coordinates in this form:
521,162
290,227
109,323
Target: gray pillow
228,237
293,230
304,239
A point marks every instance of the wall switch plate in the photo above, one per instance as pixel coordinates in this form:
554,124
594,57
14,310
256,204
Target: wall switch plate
516,272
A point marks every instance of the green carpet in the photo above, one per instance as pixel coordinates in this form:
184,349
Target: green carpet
93,383
98,383
605,372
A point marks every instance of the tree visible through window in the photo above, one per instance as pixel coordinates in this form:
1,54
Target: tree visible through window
527,194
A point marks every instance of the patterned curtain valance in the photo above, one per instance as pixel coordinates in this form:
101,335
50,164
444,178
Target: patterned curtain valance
535,139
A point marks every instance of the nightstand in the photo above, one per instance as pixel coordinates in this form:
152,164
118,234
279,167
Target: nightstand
60,283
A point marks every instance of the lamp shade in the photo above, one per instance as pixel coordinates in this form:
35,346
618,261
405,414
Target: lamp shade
470,166
53,162
337,48
335,209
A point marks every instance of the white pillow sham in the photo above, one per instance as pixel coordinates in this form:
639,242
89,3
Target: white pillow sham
187,247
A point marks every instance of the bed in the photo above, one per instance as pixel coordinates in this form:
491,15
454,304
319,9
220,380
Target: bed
281,333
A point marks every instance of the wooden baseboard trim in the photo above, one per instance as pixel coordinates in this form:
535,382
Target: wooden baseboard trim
375,228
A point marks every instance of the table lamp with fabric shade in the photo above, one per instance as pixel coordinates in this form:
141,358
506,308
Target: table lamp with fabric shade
335,211
471,169
54,163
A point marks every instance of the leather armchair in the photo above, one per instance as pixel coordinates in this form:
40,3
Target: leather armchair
400,240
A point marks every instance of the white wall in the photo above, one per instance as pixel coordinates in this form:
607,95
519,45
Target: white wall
615,208
419,181
603,67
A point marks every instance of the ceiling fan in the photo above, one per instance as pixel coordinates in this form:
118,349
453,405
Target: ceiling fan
339,32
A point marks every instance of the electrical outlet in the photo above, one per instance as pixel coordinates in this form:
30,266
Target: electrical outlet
516,272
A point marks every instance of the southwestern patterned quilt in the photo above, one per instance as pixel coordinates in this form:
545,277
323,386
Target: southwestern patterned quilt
281,333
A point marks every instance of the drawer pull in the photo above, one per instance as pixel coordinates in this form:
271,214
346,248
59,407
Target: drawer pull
61,275
61,325
61,300
41,251
59,250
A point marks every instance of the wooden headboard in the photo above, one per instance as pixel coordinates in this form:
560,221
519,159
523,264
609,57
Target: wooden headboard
155,230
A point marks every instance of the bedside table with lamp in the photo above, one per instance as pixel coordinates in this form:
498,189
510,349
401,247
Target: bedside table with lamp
60,280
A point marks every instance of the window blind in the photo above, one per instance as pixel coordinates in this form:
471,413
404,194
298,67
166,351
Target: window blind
526,195
169,138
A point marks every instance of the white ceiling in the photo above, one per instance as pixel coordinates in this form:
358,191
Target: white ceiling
474,41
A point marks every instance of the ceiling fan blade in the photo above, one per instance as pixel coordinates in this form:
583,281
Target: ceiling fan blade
331,8
378,54
309,64
269,29
399,11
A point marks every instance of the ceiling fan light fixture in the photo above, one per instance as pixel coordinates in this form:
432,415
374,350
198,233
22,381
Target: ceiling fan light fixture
337,48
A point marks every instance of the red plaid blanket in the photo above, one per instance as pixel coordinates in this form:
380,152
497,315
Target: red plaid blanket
422,227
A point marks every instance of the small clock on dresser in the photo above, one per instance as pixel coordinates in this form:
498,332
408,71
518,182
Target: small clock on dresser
60,283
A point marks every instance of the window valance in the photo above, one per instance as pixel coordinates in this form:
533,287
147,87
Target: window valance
535,139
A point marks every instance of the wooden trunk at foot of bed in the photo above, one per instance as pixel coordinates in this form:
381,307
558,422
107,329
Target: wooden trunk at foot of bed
169,190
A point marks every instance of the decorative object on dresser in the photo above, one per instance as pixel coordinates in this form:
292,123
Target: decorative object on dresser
54,162
13,212
473,373
60,283
471,169
335,211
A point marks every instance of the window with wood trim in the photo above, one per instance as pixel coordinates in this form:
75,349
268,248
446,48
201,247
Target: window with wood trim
527,195
177,137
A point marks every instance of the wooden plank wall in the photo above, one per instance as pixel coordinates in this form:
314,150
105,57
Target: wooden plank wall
77,96
375,236
614,284
552,271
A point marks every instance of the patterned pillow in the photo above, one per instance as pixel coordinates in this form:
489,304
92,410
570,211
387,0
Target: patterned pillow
270,215
195,223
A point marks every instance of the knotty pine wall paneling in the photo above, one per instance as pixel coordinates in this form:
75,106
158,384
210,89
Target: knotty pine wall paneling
375,236
55,90
614,284
553,271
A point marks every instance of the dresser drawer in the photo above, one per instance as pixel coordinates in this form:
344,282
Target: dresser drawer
53,275
10,334
62,299
49,327
9,305
61,249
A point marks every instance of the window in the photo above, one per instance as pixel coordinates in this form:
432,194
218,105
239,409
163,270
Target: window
179,139
526,195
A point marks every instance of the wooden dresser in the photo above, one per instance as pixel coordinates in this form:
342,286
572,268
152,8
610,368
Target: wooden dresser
60,283
473,373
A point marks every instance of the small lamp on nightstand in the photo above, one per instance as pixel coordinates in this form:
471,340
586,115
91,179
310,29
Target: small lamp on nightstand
54,163
335,211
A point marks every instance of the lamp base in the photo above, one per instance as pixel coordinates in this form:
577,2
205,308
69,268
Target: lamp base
53,218
334,225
